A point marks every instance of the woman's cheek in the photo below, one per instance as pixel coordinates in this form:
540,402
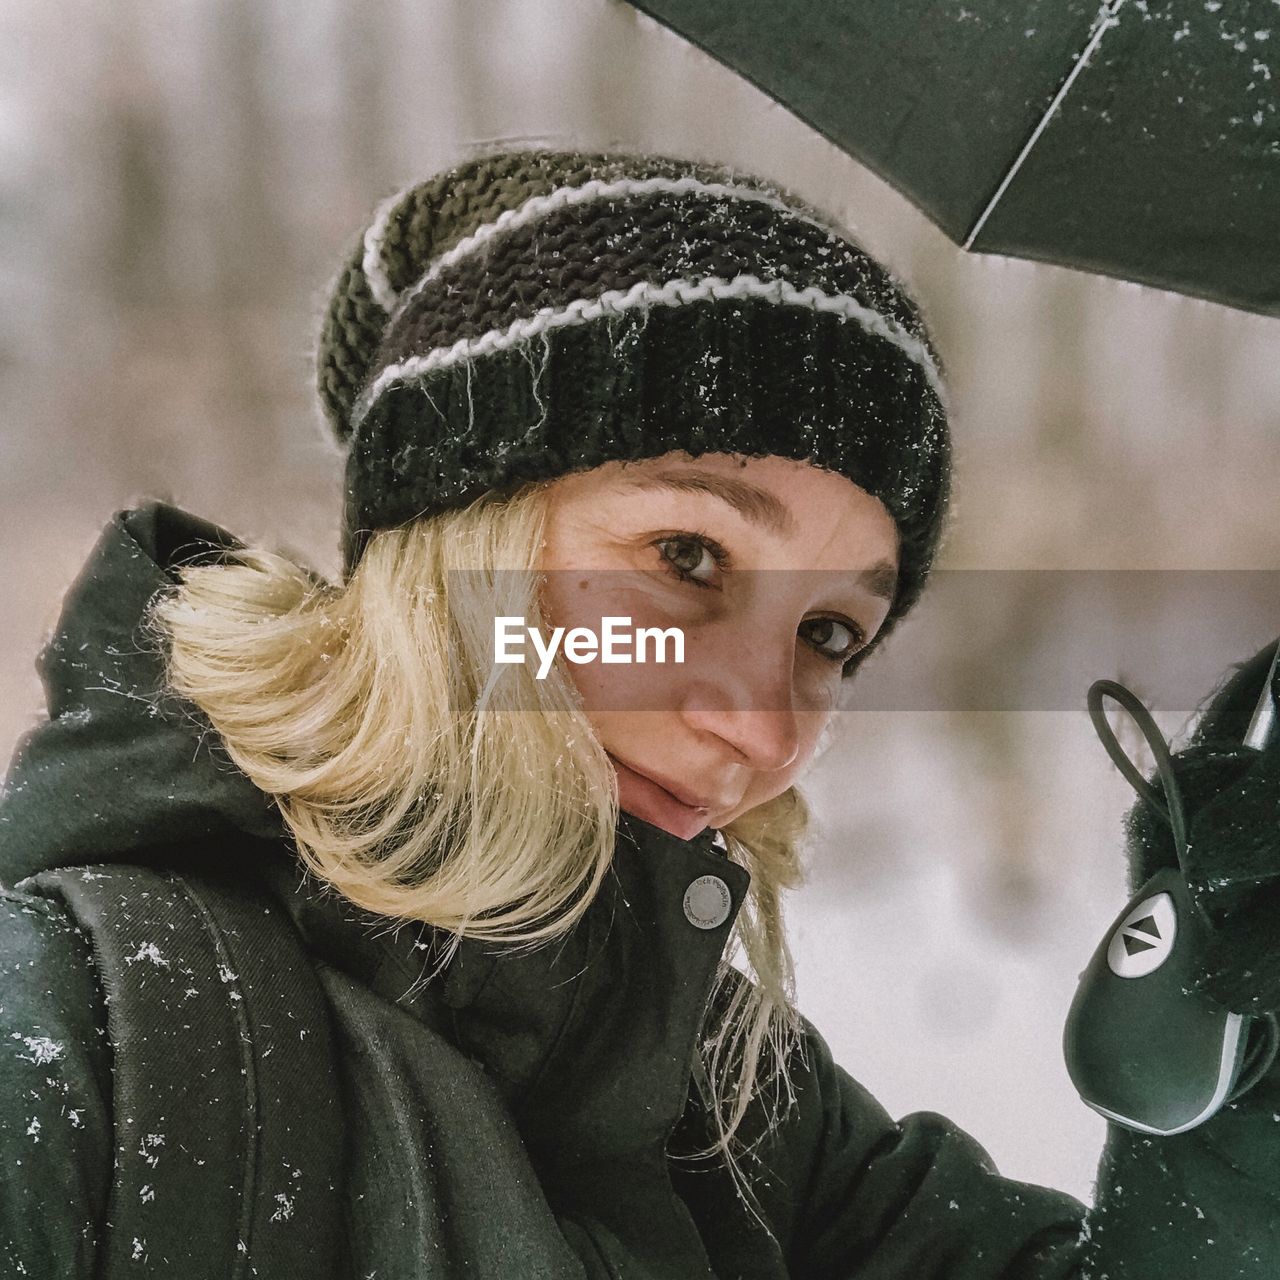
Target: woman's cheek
816,689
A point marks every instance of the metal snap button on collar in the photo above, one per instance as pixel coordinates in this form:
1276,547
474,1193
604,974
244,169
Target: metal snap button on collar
707,902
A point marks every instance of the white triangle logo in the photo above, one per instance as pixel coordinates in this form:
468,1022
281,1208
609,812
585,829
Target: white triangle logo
1144,938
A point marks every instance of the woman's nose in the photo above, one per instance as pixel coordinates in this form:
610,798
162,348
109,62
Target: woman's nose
749,702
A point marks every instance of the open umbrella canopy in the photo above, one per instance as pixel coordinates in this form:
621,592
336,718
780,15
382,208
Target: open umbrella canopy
1139,139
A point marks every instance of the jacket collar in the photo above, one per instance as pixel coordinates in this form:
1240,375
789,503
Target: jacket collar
591,1038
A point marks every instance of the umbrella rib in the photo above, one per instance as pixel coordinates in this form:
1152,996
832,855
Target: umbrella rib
1105,20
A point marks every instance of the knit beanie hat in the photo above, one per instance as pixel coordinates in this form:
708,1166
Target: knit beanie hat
530,313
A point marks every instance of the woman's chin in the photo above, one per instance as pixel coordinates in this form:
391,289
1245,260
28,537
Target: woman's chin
681,830
645,799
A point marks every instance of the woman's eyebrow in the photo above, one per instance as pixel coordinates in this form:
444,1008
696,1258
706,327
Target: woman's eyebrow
881,580
749,500
757,505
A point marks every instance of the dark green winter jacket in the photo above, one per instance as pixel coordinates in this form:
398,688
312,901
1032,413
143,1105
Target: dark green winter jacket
523,1115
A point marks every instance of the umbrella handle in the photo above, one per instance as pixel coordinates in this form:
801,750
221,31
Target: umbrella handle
1141,1048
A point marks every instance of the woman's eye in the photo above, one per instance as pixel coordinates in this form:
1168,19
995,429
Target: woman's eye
845,638
691,555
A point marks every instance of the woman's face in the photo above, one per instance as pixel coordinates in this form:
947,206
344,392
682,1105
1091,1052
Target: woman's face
774,570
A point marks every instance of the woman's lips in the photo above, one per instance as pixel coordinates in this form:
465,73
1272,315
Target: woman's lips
640,795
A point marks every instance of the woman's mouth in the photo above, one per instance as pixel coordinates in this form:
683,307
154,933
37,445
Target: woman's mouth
640,795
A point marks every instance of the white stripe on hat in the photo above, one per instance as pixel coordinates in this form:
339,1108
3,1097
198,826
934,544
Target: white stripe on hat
673,293
538,207
374,271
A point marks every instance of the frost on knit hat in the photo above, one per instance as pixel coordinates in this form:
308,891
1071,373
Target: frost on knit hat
530,313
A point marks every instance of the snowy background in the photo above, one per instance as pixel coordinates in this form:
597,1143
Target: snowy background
178,181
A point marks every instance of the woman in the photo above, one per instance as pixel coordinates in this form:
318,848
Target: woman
570,388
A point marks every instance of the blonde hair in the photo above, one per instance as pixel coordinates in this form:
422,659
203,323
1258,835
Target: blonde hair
486,812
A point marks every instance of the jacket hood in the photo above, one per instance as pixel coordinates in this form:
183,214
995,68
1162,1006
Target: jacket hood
123,770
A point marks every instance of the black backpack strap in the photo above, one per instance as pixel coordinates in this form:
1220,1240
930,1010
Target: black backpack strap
228,1134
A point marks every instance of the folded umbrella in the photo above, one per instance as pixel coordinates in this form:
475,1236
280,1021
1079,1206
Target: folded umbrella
1139,139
